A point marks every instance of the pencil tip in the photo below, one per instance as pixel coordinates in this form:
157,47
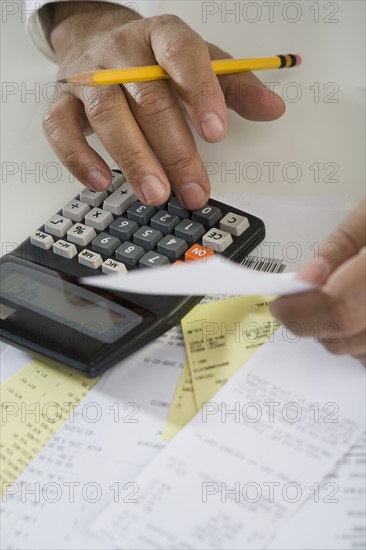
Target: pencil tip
62,81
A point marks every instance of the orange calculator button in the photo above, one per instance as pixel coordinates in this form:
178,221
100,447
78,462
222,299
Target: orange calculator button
197,252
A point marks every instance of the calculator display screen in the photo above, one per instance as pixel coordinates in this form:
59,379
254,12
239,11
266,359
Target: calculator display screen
67,303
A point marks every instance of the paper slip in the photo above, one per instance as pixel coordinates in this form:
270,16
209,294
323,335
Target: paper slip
337,514
35,403
233,476
216,276
219,338
183,407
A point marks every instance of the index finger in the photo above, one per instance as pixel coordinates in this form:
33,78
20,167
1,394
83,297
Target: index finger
184,55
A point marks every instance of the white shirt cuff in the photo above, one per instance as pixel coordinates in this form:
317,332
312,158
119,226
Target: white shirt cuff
36,28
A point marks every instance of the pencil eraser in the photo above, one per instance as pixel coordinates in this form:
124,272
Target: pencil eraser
298,60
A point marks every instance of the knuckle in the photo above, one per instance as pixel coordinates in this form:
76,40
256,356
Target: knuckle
101,106
51,121
72,160
153,100
182,160
181,46
132,163
167,20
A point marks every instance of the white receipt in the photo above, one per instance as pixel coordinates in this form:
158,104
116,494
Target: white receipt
338,516
233,476
216,276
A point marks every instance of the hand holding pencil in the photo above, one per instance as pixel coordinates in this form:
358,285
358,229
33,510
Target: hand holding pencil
142,124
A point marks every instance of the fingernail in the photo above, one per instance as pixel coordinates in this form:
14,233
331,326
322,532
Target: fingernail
152,189
98,178
212,127
193,196
314,273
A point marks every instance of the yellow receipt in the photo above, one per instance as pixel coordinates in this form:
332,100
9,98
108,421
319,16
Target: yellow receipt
183,406
221,336
35,403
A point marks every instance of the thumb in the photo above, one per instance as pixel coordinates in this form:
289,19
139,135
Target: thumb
345,242
246,95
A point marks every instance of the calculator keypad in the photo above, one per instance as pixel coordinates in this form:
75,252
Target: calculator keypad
113,232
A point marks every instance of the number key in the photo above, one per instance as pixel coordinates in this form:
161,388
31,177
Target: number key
208,215
123,228
140,213
129,254
164,221
147,237
105,244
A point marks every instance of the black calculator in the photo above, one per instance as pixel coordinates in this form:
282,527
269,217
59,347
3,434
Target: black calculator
46,311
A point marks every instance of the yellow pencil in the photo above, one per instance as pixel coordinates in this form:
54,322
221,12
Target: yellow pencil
155,72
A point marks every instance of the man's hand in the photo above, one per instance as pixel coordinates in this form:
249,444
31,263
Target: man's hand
142,125
336,312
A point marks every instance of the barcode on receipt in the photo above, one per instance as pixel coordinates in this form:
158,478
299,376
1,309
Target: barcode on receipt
270,265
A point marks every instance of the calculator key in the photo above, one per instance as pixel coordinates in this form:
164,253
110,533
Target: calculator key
190,231
119,201
112,267
41,240
216,239
173,247
176,208
153,259
81,234
64,249
99,219
208,215
129,254
117,181
93,198
164,221
147,237
140,213
75,210
57,226
234,224
105,244
198,252
90,259
123,229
